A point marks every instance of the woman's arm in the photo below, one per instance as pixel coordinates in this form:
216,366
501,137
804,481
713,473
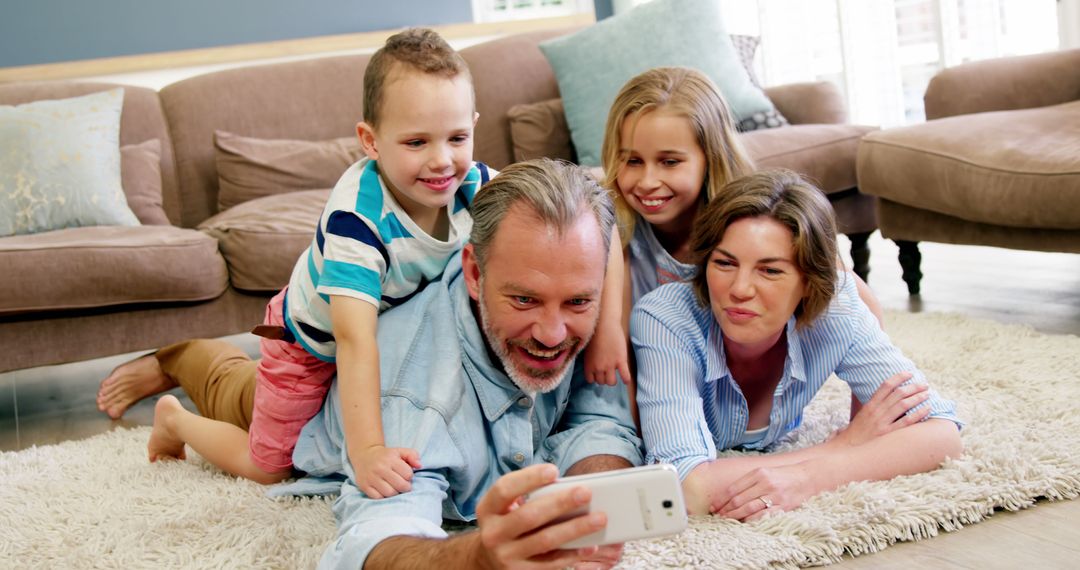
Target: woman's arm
914,449
727,486
671,362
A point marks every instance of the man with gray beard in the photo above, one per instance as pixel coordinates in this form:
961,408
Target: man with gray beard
479,407
480,375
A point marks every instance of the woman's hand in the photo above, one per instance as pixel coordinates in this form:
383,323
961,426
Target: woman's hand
766,489
788,486
887,411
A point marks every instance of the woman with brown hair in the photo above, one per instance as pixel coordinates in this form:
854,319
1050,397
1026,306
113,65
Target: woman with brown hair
730,358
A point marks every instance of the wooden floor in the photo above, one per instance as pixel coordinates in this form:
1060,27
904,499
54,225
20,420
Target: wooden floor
51,404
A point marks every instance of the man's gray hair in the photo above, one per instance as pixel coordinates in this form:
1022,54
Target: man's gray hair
557,192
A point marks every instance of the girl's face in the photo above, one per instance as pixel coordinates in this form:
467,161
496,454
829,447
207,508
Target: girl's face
665,168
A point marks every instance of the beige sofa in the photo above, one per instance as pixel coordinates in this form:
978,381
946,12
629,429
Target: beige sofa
88,292
997,162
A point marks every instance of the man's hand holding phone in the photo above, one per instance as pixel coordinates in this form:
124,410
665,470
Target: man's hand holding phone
530,517
514,532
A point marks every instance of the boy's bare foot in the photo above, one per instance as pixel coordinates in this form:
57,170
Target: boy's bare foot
163,442
130,382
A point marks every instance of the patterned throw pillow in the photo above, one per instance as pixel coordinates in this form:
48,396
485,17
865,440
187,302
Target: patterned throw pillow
764,120
746,48
60,165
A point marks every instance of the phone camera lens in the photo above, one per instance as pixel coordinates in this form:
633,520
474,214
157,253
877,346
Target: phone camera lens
667,504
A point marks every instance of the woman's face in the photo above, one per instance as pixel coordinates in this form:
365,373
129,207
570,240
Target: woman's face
754,284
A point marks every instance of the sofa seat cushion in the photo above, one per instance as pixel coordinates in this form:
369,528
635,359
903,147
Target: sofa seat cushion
1017,168
824,154
261,239
102,266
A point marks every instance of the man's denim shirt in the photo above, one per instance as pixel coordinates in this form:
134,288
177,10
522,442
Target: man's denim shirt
442,396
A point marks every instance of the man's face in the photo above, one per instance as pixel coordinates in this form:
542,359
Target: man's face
539,295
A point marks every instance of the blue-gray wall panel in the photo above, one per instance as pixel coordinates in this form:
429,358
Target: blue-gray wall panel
603,9
48,31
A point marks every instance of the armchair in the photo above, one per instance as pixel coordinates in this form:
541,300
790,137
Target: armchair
997,163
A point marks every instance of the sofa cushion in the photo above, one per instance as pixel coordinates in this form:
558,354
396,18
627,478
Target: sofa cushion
539,130
101,266
592,65
250,168
825,154
1012,168
262,238
61,164
811,103
140,175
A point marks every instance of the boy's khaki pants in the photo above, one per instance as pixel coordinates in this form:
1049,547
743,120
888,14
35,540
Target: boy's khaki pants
217,376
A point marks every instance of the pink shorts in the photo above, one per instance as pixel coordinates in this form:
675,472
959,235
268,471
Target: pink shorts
290,386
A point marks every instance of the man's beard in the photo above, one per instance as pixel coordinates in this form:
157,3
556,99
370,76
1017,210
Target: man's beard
530,380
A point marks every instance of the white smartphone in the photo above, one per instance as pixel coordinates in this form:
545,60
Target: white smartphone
640,502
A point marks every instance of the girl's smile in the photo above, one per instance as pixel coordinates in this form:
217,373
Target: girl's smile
664,170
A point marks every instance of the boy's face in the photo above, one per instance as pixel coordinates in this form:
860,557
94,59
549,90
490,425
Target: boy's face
424,141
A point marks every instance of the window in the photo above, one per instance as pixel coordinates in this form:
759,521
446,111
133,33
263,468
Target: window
504,10
882,53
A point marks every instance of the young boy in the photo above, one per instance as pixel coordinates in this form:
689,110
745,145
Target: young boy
390,225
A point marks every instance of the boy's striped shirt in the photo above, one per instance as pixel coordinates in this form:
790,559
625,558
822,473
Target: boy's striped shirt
367,247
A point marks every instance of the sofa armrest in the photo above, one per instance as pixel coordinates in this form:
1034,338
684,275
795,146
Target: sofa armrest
1018,82
819,102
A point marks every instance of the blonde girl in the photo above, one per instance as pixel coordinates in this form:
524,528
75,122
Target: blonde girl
670,145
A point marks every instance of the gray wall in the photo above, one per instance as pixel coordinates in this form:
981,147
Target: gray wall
48,31
603,9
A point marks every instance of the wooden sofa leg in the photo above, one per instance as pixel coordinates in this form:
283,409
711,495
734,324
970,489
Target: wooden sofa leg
860,254
910,259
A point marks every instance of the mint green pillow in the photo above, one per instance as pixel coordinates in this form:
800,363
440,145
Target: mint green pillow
60,165
593,64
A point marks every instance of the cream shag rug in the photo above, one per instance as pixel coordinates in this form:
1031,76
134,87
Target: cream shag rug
98,503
